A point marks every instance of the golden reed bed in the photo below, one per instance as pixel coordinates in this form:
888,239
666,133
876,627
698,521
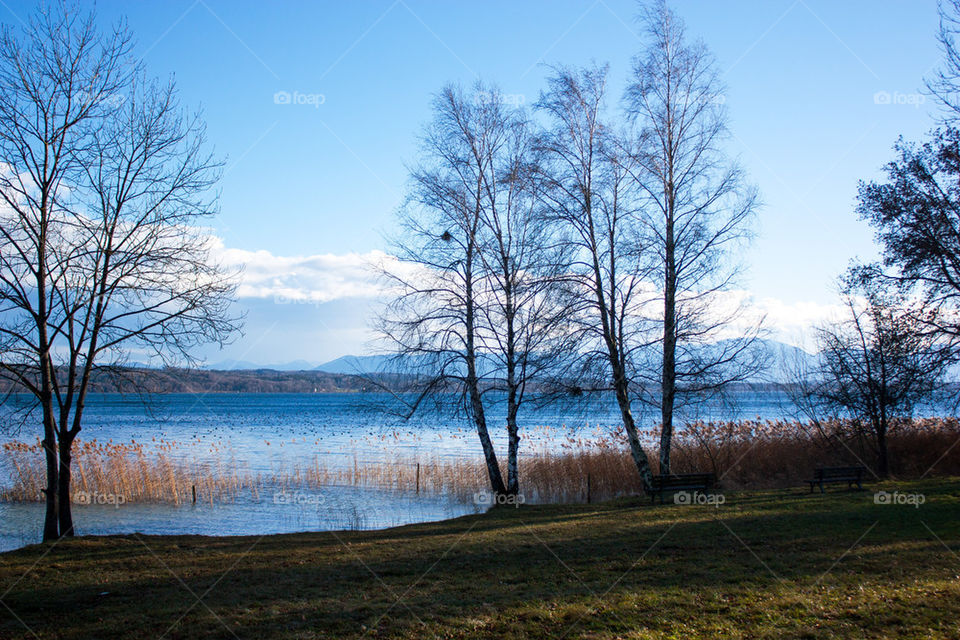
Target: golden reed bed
744,454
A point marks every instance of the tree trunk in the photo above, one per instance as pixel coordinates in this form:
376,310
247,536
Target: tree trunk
636,448
669,371
51,529
65,515
513,430
472,379
47,381
489,454
476,408
668,391
513,447
620,382
51,493
883,459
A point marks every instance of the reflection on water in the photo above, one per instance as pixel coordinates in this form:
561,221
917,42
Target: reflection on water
335,508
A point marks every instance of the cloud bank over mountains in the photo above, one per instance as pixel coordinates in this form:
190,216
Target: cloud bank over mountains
317,307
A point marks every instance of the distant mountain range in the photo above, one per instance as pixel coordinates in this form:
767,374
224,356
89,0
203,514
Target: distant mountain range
785,361
360,365
348,373
174,380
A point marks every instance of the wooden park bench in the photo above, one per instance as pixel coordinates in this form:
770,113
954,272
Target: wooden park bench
680,482
827,475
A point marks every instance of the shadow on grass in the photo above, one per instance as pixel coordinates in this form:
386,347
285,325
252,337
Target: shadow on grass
528,572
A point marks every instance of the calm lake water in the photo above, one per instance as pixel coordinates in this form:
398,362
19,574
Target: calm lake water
265,432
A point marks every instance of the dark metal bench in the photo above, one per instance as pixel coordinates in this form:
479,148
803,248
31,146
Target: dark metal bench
827,475
680,482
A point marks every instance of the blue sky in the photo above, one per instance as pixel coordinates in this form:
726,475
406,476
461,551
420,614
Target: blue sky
313,181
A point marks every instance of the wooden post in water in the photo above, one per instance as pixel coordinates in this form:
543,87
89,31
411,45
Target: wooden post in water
418,478
194,488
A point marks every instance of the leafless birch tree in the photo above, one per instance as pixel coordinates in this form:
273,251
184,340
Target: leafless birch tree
696,213
586,194
525,319
434,323
473,313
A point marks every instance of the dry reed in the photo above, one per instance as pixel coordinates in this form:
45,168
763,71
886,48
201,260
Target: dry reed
745,454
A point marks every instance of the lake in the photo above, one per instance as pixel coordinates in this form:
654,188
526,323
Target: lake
264,432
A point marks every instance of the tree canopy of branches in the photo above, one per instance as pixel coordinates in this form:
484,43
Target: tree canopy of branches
880,360
105,184
473,313
695,212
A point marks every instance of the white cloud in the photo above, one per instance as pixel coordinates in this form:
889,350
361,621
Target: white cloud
792,322
327,277
314,278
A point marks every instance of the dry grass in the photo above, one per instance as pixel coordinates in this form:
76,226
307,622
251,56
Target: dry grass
766,564
750,454
744,455
128,470
776,454
168,473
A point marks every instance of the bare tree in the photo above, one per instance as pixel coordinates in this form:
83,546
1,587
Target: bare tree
472,307
105,186
880,360
586,194
696,213
433,324
525,319
945,83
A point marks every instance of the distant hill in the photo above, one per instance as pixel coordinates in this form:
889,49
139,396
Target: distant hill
345,374
386,364
173,380
786,361
239,365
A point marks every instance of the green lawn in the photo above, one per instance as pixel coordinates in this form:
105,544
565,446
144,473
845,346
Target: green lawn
767,564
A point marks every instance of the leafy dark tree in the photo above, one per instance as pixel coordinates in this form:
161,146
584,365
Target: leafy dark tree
916,215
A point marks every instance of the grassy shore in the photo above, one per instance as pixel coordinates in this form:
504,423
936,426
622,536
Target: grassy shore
764,564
